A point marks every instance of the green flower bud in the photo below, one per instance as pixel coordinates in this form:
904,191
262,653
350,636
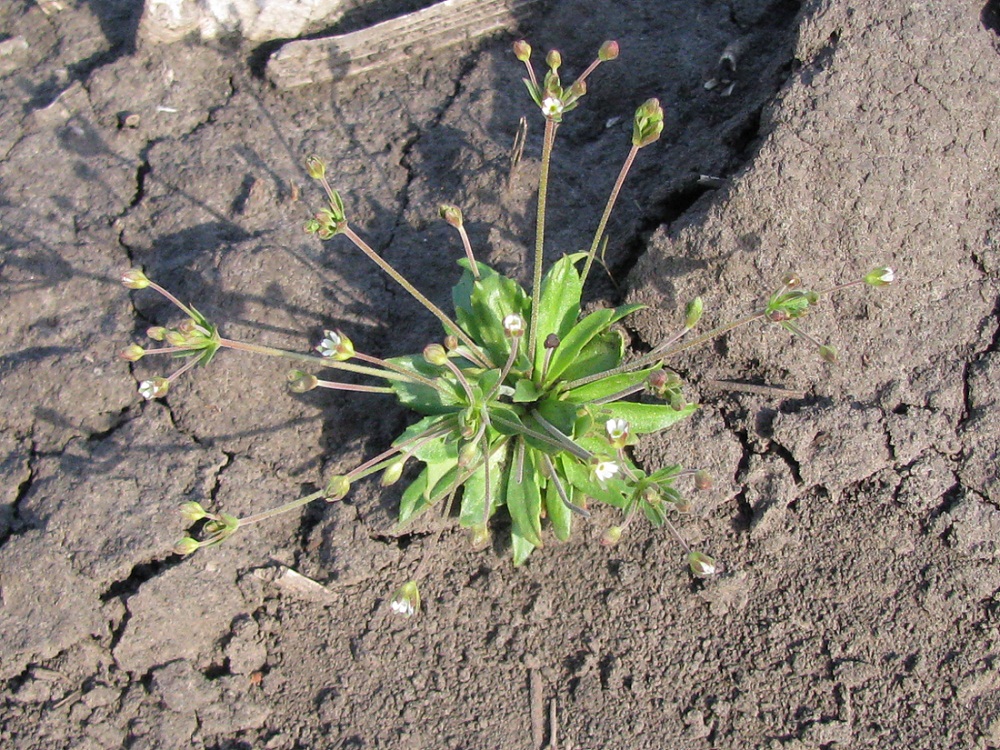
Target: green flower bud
135,279
480,537
337,488
611,536
186,546
435,355
156,333
553,60
701,565
406,600
692,313
828,353
132,353
451,214
703,480
316,167
300,382
608,51
648,123
451,342
192,511
393,472
468,454
522,50
881,276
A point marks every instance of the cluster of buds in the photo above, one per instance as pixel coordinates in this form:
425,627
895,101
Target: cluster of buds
195,338
667,385
551,97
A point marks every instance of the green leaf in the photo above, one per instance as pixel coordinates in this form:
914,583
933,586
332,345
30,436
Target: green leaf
560,516
608,386
526,392
559,305
602,353
422,398
474,491
521,548
481,305
524,501
441,458
577,338
646,418
421,427
414,500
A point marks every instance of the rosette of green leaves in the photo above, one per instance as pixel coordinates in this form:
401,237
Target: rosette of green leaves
529,443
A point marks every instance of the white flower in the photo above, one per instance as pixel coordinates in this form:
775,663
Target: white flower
406,600
155,388
513,325
330,344
605,470
880,276
552,107
888,276
617,429
403,607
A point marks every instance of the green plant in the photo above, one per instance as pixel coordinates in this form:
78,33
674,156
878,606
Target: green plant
524,403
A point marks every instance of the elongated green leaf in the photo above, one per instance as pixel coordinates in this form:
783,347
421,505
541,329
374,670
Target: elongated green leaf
414,500
474,490
577,338
524,501
422,398
423,426
559,306
608,386
441,458
602,353
525,391
646,418
560,516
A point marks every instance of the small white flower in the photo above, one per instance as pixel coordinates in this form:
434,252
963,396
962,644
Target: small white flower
155,388
888,276
605,470
880,276
403,607
330,345
617,429
513,324
552,107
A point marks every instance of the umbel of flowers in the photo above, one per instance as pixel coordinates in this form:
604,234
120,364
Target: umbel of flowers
526,406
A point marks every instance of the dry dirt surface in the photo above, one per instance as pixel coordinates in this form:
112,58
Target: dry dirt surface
858,522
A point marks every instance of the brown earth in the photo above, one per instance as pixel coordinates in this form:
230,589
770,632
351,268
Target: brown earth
858,524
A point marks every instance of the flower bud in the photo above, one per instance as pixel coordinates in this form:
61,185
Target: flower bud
435,355
406,600
553,60
156,333
186,546
135,279
154,388
132,353
648,123
513,325
316,167
451,342
701,565
192,511
880,276
522,50
828,353
337,488
551,341
611,536
300,382
608,51
467,454
791,281
393,472
692,313
451,214
578,89
703,480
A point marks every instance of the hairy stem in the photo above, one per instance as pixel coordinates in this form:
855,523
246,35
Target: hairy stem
543,186
608,209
